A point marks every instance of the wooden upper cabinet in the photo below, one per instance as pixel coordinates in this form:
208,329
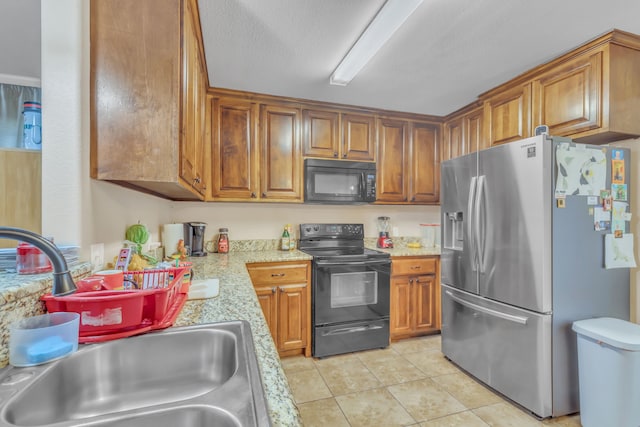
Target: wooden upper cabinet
508,115
358,136
474,131
453,143
321,133
591,98
193,148
463,133
408,165
424,155
338,135
147,114
280,154
392,165
234,153
568,98
589,94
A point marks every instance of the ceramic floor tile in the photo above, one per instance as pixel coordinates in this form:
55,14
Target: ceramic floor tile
348,377
567,421
378,355
460,419
307,386
394,370
297,363
468,391
336,360
373,408
505,414
414,345
322,413
425,400
431,363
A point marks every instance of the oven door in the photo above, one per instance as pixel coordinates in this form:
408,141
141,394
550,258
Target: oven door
347,291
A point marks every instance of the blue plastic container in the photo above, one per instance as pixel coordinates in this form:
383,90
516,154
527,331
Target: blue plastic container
32,130
608,372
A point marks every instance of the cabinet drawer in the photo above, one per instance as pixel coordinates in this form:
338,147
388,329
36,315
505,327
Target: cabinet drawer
267,274
411,266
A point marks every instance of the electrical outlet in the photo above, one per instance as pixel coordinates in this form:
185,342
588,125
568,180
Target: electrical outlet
97,256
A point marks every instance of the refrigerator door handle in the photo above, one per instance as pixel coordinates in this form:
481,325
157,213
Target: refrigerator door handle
479,220
470,212
510,317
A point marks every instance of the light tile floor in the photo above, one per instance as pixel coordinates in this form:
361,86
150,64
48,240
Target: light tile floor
409,383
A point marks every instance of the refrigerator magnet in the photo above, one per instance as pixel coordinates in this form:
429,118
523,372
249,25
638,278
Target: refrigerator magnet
619,191
617,171
560,202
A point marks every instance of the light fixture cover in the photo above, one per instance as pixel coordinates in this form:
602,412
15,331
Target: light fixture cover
387,21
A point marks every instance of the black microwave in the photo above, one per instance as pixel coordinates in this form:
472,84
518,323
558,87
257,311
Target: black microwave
339,182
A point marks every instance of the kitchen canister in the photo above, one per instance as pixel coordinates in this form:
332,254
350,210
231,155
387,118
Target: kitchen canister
32,129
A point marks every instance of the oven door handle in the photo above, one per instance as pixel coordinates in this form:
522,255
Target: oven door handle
351,330
339,262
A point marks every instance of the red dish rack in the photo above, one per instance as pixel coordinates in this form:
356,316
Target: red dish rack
111,314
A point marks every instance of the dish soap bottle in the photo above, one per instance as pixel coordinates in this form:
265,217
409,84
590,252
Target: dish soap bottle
284,241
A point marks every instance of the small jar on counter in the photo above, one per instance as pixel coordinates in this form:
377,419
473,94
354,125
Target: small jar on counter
223,241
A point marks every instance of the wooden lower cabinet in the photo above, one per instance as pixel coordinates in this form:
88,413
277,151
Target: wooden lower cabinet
284,295
415,296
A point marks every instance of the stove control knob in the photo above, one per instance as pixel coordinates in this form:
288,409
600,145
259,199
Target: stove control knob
307,229
316,228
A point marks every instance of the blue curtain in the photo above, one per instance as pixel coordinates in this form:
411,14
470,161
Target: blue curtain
12,98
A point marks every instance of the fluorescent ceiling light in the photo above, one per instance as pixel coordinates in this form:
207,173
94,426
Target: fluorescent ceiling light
387,21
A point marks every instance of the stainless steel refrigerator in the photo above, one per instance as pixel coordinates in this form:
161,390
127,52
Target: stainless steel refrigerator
523,256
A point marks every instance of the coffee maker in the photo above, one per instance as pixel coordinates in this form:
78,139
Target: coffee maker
194,237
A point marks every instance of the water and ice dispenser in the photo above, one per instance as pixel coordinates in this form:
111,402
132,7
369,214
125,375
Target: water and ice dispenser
453,232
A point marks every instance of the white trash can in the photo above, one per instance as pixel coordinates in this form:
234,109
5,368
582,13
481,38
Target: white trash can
608,372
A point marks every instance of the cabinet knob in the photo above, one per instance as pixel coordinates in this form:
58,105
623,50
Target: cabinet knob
264,194
413,199
410,281
196,180
335,154
273,290
344,155
281,290
253,195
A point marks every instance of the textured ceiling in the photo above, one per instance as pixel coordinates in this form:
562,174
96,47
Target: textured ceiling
446,54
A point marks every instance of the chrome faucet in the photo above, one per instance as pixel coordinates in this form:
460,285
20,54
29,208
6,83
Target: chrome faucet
62,281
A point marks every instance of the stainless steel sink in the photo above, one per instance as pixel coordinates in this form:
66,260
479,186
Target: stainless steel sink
191,376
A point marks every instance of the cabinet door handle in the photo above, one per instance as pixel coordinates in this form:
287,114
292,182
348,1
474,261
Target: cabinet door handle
277,274
253,195
413,199
264,194
273,290
196,180
344,155
410,281
281,290
416,267
335,154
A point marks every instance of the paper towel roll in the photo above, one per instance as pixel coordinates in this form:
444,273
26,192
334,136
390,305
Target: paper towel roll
171,234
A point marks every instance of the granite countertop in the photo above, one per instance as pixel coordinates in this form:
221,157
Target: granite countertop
237,300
